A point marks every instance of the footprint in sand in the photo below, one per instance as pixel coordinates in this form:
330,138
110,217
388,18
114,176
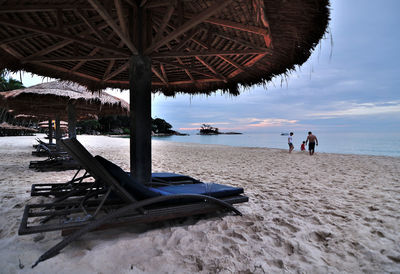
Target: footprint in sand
321,236
282,222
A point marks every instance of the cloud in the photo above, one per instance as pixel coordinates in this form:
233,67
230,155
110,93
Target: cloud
210,123
264,122
360,109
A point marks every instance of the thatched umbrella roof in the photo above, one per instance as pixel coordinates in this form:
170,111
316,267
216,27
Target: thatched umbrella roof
7,126
26,117
47,100
196,46
191,46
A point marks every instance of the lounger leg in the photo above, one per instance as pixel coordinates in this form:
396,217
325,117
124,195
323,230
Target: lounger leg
122,211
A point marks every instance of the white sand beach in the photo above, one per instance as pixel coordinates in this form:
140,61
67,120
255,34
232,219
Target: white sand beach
329,213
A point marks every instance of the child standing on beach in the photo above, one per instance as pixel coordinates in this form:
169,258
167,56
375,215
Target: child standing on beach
290,142
303,146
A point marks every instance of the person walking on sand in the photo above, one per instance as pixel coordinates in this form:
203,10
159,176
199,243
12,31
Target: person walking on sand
312,141
290,142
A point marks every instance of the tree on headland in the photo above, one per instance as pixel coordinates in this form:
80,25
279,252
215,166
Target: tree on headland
161,126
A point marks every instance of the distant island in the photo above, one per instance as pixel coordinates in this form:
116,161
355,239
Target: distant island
209,130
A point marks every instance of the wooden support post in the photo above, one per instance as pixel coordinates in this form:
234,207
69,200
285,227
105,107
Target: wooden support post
71,121
140,108
50,132
58,133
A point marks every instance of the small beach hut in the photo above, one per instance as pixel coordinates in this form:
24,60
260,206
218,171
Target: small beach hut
189,46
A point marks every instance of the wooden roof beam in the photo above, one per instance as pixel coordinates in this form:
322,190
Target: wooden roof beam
75,58
18,37
38,7
81,63
47,50
61,45
157,73
106,16
92,53
212,69
186,68
67,36
194,21
60,21
132,3
121,17
143,2
108,69
247,65
208,53
157,4
259,8
184,82
234,25
164,23
11,51
233,63
164,73
265,32
49,66
118,71
227,59
184,41
89,24
239,41
160,3
238,26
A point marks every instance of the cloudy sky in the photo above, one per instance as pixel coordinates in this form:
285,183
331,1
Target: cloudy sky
350,83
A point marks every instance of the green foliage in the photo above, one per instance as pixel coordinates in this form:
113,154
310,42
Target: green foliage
161,126
88,126
8,84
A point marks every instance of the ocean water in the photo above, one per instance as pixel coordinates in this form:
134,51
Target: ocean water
346,143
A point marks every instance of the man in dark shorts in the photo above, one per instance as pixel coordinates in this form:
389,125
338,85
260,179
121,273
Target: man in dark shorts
290,142
312,141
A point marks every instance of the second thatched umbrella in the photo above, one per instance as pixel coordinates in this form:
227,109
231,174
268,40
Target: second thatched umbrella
62,100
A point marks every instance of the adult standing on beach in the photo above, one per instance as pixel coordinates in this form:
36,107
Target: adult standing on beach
290,142
312,141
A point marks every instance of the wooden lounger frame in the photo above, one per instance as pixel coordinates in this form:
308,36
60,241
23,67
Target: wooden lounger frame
79,207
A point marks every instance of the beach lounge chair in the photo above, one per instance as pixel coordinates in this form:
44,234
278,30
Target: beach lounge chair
43,150
59,163
116,199
57,160
40,142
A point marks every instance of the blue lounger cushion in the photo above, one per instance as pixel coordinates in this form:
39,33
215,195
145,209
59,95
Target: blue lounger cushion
210,189
140,192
